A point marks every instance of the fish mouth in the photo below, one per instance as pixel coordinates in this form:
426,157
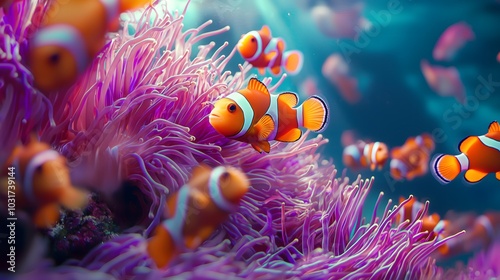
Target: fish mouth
214,116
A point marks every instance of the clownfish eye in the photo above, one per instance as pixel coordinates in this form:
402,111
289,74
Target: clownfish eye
231,108
253,40
54,58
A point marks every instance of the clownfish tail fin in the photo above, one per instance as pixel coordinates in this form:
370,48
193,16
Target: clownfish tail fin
292,61
315,114
445,168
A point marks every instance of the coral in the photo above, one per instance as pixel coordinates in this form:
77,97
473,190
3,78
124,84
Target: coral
79,231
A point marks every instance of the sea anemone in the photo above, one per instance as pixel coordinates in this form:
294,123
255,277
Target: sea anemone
139,114
22,107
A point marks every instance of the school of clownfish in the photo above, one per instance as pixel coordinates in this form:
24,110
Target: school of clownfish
63,48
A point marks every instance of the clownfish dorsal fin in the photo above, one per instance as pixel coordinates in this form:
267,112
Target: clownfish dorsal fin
264,127
266,31
255,84
494,127
465,145
291,99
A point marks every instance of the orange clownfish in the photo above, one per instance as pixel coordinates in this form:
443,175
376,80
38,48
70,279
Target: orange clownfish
430,223
41,183
362,155
71,35
196,210
484,230
480,156
254,116
263,51
411,159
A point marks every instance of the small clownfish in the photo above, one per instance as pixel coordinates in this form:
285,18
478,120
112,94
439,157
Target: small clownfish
67,40
411,159
430,223
43,183
363,155
196,210
263,51
480,156
480,235
254,116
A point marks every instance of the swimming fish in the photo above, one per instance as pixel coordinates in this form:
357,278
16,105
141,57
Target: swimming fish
42,183
452,40
71,35
196,210
433,224
263,51
252,115
411,159
479,235
363,155
479,156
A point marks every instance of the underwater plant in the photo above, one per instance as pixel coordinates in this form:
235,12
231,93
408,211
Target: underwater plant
140,114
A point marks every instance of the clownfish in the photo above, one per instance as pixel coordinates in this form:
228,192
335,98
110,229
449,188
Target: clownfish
263,51
484,230
196,210
411,159
362,155
41,183
480,156
70,36
254,116
430,223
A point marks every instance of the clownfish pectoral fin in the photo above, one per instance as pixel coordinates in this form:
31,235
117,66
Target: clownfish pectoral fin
255,84
271,55
291,99
494,127
262,71
264,127
276,70
292,135
373,166
266,31
292,61
445,168
315,114
465,145
497,175
474,176
46,216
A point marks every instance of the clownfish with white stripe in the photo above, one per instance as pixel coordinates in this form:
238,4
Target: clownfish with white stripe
479,156
42,183
431,223
253,115
71,35
412,159
196,210
480,235
363,155
263,51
